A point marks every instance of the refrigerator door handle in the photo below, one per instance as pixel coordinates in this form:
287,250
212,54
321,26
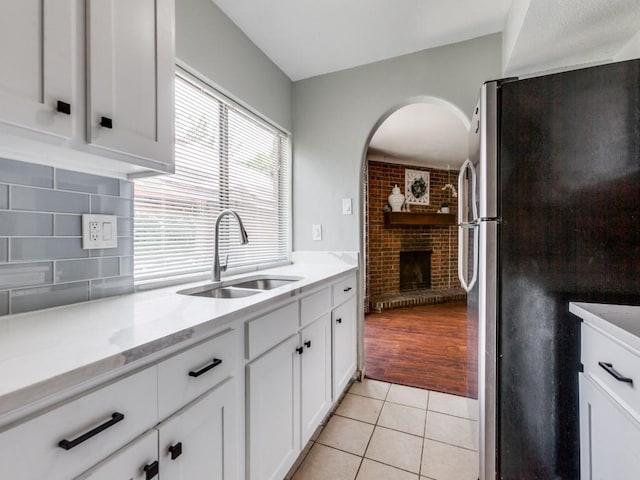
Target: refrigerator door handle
462,250
463,193
467,224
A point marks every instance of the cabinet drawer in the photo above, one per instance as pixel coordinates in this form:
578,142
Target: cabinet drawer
31,450
270,329
598,348
344,289
313,306
189,374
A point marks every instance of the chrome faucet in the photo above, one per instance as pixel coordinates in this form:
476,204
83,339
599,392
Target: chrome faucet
244,239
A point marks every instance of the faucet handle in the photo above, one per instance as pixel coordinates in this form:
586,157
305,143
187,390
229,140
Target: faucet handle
223,268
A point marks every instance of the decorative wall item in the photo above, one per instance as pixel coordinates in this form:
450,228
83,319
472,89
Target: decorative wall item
396,199
416,187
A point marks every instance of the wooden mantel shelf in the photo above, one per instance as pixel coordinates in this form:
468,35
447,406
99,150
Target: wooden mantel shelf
409,218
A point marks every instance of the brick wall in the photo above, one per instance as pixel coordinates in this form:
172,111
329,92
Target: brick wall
384,242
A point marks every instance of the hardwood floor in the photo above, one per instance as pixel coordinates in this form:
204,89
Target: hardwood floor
430,346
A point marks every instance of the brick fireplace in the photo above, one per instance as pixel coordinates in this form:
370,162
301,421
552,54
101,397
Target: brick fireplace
384,243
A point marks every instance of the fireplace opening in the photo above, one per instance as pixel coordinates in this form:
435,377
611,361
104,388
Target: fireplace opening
415,270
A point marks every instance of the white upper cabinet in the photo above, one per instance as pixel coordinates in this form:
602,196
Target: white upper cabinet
130,77
36,54
88,85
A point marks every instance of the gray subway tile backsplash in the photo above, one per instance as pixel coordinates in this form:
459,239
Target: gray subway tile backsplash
31,249
126,265
42,263
125,247
25,224
109,287
123,207
44,200
86,269
4,250
4,303
67,225
29,299
14,275
84,182
4,196
22,173
125,227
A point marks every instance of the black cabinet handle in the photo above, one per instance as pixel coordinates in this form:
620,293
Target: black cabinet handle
106,122
69,444
175,450
338,320
151,470
213,364
307,344
63,107
348,289
608,367
299,350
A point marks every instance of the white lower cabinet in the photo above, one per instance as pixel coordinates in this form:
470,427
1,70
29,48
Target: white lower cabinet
344,345
199,442
136,461
609,436
273,406
292,387
66,441
315,375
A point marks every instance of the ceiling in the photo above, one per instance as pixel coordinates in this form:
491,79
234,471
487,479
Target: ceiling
426,134
306,38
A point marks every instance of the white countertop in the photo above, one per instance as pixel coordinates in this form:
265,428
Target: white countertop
45,352
619,321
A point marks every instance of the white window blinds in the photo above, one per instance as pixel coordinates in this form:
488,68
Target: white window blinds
225,158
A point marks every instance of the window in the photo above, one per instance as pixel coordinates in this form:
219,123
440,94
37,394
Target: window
226,157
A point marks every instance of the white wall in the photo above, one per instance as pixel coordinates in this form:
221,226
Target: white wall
212,44
334,115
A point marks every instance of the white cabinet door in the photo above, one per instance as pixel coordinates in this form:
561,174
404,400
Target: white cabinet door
36,54
200,441
609,436
136,461
130,63
273,411
315,375
344,345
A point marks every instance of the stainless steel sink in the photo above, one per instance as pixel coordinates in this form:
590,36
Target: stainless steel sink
239,288
216,291
265,283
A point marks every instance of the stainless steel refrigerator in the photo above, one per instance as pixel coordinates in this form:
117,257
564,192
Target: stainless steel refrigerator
549,213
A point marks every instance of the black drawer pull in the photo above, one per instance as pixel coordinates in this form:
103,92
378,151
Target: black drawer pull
63,107
608,367
213,364
348,289
69,444
307,344
338,320
106,122
299,350
175,450
151,470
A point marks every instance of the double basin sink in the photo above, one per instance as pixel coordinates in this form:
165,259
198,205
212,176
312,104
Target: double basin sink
240,288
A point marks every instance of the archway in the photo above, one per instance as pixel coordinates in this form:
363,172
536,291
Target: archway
410,257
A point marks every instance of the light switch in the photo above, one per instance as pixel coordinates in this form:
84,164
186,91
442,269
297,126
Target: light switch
99,231
346,206
316,232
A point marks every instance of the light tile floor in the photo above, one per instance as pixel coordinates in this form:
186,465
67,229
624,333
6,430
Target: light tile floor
383,431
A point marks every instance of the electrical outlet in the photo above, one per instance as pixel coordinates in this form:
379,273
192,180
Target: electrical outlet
99,231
